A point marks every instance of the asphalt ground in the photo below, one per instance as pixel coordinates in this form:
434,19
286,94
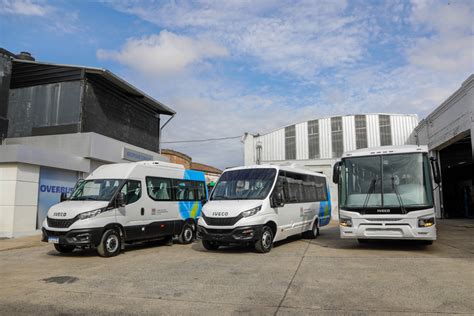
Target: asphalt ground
303,277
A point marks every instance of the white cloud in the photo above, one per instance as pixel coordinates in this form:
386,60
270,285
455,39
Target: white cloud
300,38
165,53
24,7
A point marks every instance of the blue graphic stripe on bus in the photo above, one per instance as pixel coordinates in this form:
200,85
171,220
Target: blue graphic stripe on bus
325,211
194,175
191,209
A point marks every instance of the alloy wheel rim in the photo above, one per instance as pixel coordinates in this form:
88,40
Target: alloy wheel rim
266,240
112,243
188,234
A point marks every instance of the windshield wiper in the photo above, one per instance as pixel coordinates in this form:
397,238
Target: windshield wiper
369,192
399,197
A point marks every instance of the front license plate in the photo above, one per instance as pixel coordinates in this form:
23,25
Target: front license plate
53,240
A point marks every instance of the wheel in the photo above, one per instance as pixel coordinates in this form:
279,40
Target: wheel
265,242
110,243
363,241
64,248
209,245
187,234
313,233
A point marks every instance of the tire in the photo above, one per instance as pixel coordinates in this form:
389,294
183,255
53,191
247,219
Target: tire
64,248
265,243
363,241
110,243
210,245
313,233
187,234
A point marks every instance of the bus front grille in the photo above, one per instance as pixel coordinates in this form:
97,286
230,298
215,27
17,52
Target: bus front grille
221,221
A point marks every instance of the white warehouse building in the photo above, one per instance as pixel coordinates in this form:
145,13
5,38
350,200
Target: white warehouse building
317,144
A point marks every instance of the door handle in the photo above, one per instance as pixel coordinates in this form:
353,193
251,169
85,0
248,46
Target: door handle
142,211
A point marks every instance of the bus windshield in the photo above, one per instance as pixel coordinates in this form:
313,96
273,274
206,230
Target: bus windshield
390,181
96,190
245,184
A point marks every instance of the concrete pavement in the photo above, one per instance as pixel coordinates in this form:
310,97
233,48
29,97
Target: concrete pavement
322,276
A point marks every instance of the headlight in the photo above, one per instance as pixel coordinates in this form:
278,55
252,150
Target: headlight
345,222
251,212
426,222
90,214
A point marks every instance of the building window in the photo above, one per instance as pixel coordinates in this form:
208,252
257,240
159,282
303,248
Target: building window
313,139
290,142
361,131
337,138
385,130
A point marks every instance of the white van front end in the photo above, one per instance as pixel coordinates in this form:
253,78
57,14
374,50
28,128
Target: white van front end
77,223
237,221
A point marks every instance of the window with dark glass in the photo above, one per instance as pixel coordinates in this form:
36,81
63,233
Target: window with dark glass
313,139
201,191
132,190
302,188
290,142
184,190
159,189
385,130
361,131
337,137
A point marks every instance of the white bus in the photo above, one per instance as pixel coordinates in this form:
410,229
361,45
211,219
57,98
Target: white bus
259,205
125,203
386,193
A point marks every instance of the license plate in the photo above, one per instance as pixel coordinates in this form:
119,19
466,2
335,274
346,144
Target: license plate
53,240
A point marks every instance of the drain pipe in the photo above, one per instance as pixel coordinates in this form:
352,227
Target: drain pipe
161,132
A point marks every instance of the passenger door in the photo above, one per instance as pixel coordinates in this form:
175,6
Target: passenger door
131,216
162,210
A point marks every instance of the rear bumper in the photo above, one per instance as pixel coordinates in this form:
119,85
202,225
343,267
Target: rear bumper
75,237
242,234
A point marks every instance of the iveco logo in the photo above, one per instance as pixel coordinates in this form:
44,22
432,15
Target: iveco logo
220,213
383,210
58,214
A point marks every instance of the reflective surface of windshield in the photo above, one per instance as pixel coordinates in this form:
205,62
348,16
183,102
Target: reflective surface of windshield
391,181
245,184
96,190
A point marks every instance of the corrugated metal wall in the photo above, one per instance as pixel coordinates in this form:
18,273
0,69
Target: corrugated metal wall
273,144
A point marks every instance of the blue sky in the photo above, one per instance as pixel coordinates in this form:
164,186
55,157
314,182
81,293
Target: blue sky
229,67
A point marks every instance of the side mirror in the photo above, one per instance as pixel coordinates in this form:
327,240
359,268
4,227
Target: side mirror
120,199
435,169
336,172
63,197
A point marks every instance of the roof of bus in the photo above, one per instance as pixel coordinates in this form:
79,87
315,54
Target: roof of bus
291,168
126,170
386,150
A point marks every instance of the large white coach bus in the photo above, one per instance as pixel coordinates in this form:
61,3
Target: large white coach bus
127,202
387,193
257,205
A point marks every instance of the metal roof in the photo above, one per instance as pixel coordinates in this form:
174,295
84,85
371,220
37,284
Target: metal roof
111,77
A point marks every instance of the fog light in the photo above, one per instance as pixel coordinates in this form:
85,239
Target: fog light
426,222
345,222
82,237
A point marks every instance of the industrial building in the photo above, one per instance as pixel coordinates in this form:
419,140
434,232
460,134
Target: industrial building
58,123
448,132
317,144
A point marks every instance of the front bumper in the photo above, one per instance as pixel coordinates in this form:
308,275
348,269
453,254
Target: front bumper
75,237
388,231
242,234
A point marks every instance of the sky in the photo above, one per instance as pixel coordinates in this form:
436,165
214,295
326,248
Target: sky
230,67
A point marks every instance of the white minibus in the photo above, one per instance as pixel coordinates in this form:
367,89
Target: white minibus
125,203
258,205
387,193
